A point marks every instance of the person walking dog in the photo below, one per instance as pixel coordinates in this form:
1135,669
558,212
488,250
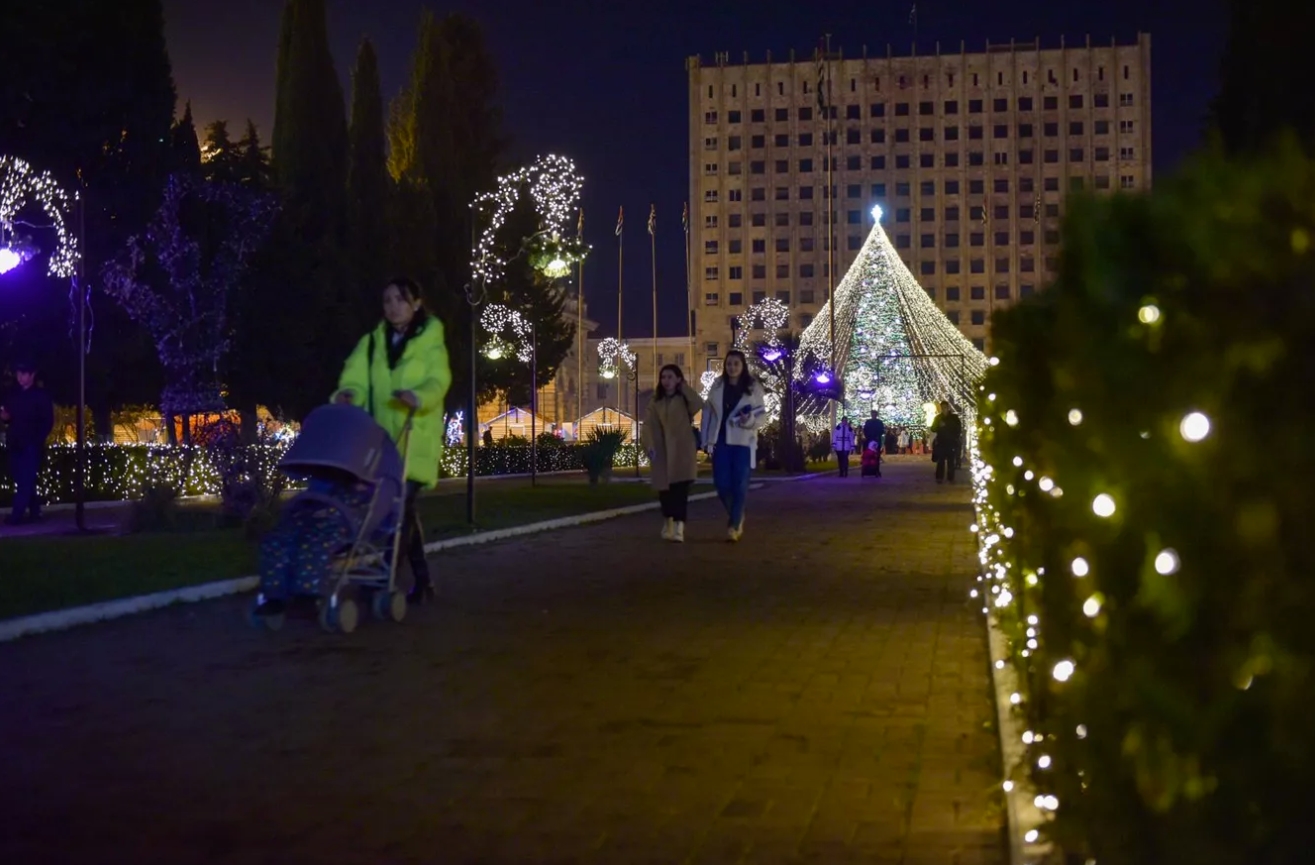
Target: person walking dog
671,441
732,416
842,442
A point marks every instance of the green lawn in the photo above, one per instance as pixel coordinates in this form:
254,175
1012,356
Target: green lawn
49,573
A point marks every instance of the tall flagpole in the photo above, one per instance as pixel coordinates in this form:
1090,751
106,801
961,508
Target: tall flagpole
652,245
581,342
620,270
824,102
689,288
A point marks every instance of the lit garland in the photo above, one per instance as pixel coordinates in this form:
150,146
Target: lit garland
768,315
614,356
499,320
456,428
186,312
895,350
21,186
554,186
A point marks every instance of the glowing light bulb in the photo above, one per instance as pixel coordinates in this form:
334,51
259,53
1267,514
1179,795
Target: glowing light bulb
1046,485
1043,762
990,397
1063,671
1031,579
1148,314
999,665
1027,475
1018,462
1027,737
995,361
1079,567
1032,620
1015,698
973,528
1031,836
1082,731
1075,416
1008,786
1194,427
1011,417
1103,505
1092,607
1166,562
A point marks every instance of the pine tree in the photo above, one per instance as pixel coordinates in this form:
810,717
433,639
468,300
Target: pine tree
184,149
253,160
221,157
367,186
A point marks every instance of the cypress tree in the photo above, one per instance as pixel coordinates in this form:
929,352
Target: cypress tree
184,150
367,186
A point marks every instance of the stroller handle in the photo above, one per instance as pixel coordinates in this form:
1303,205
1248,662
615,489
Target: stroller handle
410,411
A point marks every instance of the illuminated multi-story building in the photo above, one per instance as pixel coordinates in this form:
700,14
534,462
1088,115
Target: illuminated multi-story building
970,156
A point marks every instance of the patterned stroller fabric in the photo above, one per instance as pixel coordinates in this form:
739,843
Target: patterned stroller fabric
354,476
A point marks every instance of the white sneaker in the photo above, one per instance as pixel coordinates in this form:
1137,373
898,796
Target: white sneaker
668,528
678,534
732,534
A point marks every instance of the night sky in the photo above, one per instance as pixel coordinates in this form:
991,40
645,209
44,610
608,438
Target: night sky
605,83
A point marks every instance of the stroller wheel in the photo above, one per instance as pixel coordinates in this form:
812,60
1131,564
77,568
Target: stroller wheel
328,618
379,604
272,621
397,605
349,615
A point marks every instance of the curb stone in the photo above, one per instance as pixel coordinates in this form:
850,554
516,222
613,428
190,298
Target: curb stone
60,620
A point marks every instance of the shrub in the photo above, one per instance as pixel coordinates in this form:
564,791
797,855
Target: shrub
1182,730
155,511
599,453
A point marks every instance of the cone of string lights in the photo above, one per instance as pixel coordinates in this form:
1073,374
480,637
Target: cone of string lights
894,349
1142,491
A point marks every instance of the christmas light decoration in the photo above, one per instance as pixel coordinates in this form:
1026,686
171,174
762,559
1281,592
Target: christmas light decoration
22,187
768,315
894,349
509,333
554,186
614,356
1194,427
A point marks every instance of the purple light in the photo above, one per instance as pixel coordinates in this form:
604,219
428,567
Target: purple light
9,259
823,378
772,355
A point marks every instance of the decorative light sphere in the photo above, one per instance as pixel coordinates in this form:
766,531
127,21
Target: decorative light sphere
1148,314
1091,608
995,361
1063,671
1031,836
494,353
1166,562
1079,567
1194,427
1103,505
557,268
1075,416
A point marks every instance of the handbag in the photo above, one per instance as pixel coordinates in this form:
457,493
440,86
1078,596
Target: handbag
698,433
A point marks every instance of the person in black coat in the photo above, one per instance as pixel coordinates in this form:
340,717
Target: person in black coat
874,430
30,416
949,439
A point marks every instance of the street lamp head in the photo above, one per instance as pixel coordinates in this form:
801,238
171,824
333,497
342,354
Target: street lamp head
823,377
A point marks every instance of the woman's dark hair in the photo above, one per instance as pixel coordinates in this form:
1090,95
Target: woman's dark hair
658,392
746,377
409,288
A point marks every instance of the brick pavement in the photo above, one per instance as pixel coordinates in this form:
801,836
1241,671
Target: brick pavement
818,693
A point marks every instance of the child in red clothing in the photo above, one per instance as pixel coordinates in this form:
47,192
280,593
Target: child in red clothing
871,461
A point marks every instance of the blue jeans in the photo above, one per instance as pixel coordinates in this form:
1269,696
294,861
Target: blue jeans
24,464
730,474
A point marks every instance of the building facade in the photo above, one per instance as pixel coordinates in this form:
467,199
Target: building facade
969,155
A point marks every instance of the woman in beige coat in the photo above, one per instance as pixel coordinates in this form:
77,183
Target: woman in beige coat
672,445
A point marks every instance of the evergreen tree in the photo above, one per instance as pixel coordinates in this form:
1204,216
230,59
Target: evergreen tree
310,167
253,160
1268,42
86,92
221,156
367,187
184,149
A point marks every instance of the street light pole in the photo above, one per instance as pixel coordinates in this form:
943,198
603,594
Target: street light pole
80,475
534,406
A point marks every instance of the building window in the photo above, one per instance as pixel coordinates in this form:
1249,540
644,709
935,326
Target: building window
731,168
1102,154
1051,185
1127,181
806,139
1025,130
1050,103
758,220
782,244
903,214
926,133
952,213
927,241
1075,101
878,163
854,190
951,106
760,271
735,298
805,193
1051,156
952,240
1075,184
878,190
902,189
928,214
806,218
1026,238
854,217
735,273
710,247
758,244
710,221
1051,237
878,136
710,348
1075,127
853,163
901,109
782,115
1000,130
782,193
1102,181
805,166
952,293
878,109
855,242
974,105
1026,291
977,292
735,195
758,193
1126,126
1025,102
1075,154
1126,153
782,272
952,266
711,144
806,271
735,220
927,268
951,133
710,168
926,108
976,159
710,117
901,136
710,273
806,294
1001,158
1025,157
977,265
710,196
902,161
974,133
1125,100
1052,208
737,246
1027,265
978,317
806,113
1002,265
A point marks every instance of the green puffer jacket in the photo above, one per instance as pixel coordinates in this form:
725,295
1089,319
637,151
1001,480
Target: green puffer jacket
422,369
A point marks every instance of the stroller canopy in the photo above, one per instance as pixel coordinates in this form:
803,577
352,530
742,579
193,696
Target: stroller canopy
344,438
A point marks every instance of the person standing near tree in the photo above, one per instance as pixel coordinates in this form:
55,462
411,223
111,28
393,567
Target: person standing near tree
30,415
732,416
842,442
874,430
671,441
399,370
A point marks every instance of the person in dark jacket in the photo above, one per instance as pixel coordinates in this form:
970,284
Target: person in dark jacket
30,416
949,439
874,430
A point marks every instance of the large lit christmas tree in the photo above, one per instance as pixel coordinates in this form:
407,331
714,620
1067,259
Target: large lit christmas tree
894,349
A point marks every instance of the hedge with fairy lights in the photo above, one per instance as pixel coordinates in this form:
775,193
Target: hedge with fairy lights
1144,496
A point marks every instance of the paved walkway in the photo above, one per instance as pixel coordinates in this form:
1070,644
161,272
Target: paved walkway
818,693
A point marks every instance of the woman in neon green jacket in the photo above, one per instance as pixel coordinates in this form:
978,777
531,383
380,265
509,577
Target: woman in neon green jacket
399,366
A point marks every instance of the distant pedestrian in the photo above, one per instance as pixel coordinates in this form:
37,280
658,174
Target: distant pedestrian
842,442
30,416
949,438
732,416
903,441
874,431
671,441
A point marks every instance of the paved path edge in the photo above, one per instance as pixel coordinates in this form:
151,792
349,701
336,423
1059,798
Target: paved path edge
1020,807
61,620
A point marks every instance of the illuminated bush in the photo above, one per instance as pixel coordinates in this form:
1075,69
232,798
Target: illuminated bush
1144,494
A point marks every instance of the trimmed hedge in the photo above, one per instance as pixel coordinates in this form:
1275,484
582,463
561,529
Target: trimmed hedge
1185,729
122,472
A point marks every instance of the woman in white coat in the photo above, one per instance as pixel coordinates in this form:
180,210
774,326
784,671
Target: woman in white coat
732,416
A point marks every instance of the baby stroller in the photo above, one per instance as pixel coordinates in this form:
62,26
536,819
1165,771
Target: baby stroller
871,461
353,506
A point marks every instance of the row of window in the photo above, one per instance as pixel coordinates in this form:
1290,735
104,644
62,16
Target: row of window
877,110
926,240
953,266
974,77
976,159
903,189
927,134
